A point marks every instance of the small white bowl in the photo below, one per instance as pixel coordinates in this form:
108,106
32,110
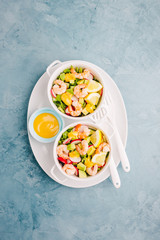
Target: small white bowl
75,178
56,73
31,122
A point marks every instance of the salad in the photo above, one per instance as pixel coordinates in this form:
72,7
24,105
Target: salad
82,151
76,92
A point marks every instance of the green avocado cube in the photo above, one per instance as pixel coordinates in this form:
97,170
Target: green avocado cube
81,166
81,101
71,146
80,82
58,98
88,139
82,174
62,76
91,150
70,91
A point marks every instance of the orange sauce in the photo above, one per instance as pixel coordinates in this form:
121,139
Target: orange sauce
46,125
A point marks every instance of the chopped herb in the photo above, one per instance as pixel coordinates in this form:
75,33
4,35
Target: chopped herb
63,105
58,98
67,70
61,109
57,103
80,70
65,135
70,91
84,157
70,129
84,104
59,142
75,82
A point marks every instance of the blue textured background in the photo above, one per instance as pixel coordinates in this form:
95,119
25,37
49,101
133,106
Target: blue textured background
122,37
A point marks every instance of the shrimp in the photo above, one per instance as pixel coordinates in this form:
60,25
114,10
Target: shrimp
83,131
80,91
69,169
82,75
84,149
92,170
74,98
62,151
77,111
59,87
105,147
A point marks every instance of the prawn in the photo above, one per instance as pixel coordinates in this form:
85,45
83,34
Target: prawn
92,170
78,109
74,98
83,131
82,75
69,169
62,151
59,87
84,149
80,91
105,147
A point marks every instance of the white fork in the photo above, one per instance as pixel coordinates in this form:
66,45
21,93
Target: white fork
111,116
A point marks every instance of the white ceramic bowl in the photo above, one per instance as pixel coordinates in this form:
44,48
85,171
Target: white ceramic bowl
56,73
75,178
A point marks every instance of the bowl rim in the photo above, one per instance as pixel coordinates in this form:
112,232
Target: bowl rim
90,124
31,121
59,69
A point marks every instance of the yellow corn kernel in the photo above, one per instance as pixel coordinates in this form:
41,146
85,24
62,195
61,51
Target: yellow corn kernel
84,111
88,163
74,154
73,135
69,76
90,107
67,98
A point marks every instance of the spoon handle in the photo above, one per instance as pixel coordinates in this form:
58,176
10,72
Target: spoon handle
114,174
122,153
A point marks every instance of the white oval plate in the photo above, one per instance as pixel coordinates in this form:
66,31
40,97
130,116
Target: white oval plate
44,152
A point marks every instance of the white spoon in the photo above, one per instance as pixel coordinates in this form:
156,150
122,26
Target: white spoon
114,174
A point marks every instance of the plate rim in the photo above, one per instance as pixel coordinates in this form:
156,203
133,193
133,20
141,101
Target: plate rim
125,114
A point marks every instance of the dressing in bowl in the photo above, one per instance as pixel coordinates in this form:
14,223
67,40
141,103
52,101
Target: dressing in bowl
45,124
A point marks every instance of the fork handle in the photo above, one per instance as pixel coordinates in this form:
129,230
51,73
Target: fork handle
122,153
